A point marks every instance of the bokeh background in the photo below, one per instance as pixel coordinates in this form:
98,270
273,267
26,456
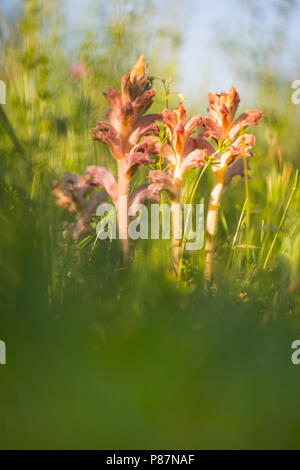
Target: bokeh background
100,357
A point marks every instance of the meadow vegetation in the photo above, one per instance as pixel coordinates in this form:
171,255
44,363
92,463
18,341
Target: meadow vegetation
106,355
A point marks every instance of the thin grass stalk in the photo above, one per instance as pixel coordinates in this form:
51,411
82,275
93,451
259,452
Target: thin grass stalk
294,188
247,202
188,216
234,240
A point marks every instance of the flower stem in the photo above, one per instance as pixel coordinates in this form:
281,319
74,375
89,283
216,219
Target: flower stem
176,224
234,240
211,221
122,209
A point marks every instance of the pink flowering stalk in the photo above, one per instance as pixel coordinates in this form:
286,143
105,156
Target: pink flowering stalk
126,125
224,130
182,153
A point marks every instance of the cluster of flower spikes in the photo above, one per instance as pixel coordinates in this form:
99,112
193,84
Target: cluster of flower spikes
131,136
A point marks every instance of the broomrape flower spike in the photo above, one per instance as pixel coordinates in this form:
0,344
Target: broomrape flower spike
223,129
182,153
126,125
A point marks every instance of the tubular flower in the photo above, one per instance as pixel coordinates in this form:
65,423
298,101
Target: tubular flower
182,152
72,195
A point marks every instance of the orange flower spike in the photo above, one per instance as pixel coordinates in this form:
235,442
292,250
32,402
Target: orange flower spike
220,124
182,153
126,124
182,144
